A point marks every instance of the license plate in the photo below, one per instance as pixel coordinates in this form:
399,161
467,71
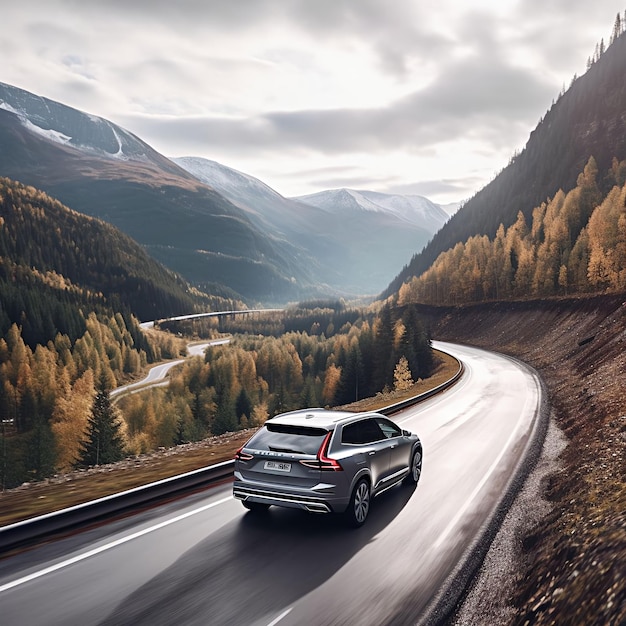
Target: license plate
278,467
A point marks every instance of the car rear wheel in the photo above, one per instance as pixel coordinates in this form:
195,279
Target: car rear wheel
359,506
415,469
256,507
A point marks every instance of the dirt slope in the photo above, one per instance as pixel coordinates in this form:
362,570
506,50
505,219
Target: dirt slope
571,563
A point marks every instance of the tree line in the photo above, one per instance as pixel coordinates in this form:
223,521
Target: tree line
574,244
256,376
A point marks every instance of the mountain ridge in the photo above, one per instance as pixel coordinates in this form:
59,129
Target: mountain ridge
414,209
181,221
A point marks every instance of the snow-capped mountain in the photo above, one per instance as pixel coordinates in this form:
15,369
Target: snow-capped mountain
413,209
64,125
227,179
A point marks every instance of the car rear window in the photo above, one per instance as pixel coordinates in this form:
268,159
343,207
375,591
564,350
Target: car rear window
288,438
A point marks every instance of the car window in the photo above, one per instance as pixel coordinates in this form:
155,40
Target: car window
288,438
362,432
353,433
389,428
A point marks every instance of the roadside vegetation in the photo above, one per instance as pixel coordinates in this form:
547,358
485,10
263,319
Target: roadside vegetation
49,395
332,355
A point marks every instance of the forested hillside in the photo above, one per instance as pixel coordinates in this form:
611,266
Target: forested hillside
71,291
55,262
574,244
587,120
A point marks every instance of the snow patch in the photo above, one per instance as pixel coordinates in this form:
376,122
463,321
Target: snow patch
7,107
52,135
119,154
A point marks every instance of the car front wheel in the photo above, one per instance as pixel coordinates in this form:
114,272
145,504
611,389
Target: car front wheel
359,506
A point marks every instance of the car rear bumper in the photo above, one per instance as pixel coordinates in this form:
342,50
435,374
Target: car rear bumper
293,499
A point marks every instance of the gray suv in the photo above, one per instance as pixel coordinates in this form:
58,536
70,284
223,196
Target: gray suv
325,461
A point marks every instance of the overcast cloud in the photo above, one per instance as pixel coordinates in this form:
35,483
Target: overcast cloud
410,96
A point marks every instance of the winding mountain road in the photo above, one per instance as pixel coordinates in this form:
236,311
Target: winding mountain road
203,560
156,375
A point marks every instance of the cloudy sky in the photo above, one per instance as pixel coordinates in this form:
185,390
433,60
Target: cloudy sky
408,96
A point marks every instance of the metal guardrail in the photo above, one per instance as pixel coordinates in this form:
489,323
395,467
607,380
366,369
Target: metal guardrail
27,531
403,404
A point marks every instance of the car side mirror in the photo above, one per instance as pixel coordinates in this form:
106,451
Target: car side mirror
406,433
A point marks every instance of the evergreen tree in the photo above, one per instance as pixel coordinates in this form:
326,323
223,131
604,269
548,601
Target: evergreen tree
416,345
40,450
352,377
243,405
225,417
104,443
384,349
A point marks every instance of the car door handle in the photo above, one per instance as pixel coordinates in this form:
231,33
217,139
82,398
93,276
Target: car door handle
372,453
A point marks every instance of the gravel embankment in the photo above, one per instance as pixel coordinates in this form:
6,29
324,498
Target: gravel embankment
560,557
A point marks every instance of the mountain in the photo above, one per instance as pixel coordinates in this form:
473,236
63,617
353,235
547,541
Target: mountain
99,169
414,210
55,263
589,119
265,207
377,231
357,240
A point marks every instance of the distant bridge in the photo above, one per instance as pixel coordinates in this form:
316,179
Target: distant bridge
146,325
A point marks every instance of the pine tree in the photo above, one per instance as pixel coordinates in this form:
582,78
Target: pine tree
384,348
104,443
243,405
225,417
352,377
617,28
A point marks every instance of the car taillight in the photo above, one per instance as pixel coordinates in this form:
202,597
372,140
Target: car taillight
243,456
323,462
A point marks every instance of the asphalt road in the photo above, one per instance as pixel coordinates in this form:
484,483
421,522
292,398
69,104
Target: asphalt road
204,560
157,374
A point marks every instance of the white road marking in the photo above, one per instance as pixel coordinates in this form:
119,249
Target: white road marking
108,546
281,616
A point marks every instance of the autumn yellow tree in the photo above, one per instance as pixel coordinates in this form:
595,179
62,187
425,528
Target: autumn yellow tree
70,416
607,242
402,379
